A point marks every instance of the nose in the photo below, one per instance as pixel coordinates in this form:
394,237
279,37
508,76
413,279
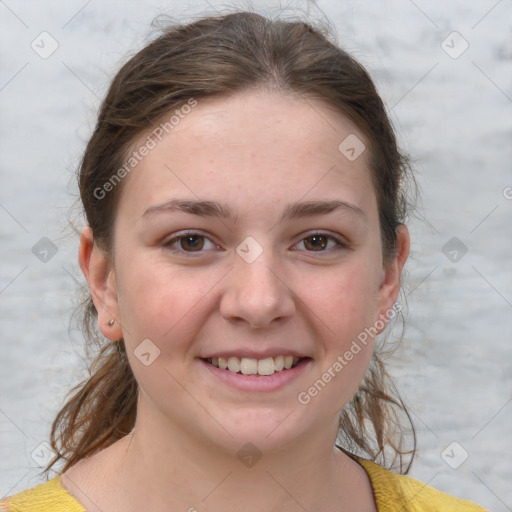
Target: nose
256,294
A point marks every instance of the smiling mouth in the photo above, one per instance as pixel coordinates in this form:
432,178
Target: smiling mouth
259,367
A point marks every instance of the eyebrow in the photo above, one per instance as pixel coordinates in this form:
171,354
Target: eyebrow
215,209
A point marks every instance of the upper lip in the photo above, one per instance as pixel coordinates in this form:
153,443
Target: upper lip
252,354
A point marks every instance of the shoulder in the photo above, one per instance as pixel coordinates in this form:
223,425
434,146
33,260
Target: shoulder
392,490
49,496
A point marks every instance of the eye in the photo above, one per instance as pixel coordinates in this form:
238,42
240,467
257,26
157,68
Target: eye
193,242
319,242
190,242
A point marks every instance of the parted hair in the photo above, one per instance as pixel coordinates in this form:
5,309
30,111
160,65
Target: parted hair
211,57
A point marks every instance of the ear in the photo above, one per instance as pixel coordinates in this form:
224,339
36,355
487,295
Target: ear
100,276
391,274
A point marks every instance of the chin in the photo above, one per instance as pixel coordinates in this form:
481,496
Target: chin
261,430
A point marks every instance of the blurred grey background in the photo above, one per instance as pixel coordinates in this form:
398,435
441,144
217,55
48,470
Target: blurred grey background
444,72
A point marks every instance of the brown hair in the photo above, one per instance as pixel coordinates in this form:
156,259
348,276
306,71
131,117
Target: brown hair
213,57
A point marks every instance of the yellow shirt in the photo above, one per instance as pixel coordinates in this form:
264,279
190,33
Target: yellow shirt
393,493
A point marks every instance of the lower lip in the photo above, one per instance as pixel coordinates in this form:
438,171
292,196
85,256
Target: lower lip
272,382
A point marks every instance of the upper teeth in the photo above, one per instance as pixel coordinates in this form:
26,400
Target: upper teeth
250,366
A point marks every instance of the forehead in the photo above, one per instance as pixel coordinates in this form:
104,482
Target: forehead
255,150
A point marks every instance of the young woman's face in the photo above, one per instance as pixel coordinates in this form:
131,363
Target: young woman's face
247,233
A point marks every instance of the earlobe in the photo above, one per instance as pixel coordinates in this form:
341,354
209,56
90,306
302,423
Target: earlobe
390,284
100,276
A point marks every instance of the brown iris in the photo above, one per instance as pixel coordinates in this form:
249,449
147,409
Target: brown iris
192,242
316,242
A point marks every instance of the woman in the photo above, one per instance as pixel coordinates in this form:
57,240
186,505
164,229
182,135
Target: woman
243,192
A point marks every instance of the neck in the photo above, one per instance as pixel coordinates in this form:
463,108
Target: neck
160,467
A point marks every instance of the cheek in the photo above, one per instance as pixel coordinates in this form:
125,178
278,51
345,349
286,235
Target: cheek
345,300
160,303
344,304
345,310
164,307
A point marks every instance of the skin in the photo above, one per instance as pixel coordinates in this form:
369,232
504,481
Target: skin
255,152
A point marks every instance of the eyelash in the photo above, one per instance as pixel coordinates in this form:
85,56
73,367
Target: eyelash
169,245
